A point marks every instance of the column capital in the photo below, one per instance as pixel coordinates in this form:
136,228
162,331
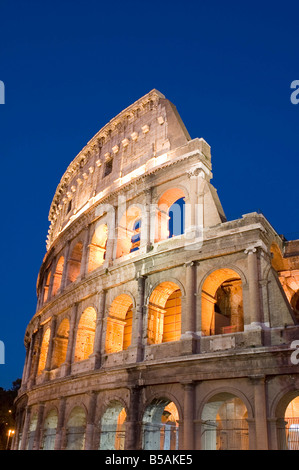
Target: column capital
257,378
250,250
190,263
187,383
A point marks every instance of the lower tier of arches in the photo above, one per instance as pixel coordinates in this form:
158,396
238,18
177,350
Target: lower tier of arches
250,413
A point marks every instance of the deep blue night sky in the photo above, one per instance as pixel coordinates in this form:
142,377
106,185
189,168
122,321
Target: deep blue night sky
71,66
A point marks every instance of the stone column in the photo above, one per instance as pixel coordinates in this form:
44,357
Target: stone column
146,224
192,175
60,424
54,261
133,431
84,259
38,342
189,325
99,329
153,214
39,427
50,348
194,213
260,415
253,282
90,420
28,365
71,341
138,335
189,415
190,297
25,428
65,268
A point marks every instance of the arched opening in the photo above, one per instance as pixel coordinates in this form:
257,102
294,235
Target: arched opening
113,427
74,263
60,343
291,419
119,324
160,426
43,351
170,217
164,314
222,303
75,429
85,335
224,423
97,247
46,287
49,431
58,275
129,232
31,432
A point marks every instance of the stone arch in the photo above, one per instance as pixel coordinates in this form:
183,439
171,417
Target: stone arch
49,430
98,246
85,334
160,424
113,426
119,324
129,236
60,343
58,275
230,391
44,351
167,204
74,262
224,421
222,302
286,411
76,428
164,313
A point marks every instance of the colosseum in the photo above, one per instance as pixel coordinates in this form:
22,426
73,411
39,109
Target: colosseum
160,324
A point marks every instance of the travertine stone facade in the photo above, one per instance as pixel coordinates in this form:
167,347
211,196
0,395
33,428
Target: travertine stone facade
159,323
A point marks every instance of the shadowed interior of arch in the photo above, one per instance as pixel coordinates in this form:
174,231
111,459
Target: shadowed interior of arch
60,343
224,423
85,335
164,314
58,276
112,427
129,231
170,217
160,426
119,324
222,303
74,262
97,247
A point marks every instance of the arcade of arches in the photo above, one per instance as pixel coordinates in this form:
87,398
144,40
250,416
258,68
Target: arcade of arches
224,424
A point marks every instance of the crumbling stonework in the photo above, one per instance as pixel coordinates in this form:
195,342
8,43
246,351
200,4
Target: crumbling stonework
152,336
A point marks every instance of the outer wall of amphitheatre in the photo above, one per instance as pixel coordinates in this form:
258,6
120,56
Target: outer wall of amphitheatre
159,324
